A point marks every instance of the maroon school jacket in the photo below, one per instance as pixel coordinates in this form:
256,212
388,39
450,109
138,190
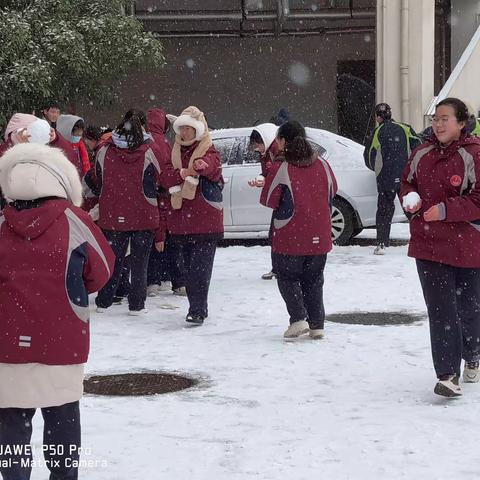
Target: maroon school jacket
204,214
51,258
448,177
301,197
126,183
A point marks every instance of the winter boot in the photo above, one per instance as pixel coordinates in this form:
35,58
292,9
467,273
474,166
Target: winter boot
316,333
471,374
269,276
380,249
447,386
195,319
296,329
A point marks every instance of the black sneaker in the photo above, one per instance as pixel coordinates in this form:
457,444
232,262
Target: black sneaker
117,300
447,386
196,319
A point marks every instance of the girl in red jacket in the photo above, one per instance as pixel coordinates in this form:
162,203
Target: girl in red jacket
262,140
195,220
71,128
128,171
440,188
52,256
300,187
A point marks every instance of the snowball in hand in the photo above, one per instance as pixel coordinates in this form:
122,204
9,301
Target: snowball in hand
411,200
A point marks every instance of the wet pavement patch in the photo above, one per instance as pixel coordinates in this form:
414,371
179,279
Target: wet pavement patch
137,384
375,318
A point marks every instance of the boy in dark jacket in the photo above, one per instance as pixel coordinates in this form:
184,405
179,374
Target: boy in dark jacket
387,154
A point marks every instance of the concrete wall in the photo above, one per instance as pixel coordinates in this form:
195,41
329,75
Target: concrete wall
410,98
240,82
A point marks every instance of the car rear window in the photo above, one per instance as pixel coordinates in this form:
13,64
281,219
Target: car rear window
227,148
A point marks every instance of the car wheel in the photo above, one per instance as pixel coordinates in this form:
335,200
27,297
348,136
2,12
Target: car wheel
342,222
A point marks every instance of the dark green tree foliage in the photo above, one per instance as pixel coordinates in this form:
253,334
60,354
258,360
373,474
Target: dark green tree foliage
72,51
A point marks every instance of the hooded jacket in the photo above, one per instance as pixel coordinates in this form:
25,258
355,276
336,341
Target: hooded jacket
51,257
126,183
301,195
157,120
203,215
268,132
447,177
59,258
65,124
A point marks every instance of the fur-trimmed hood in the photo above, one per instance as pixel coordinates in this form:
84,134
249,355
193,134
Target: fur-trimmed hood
30,171
190,117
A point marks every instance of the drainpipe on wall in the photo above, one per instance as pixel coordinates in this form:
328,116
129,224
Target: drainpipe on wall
404,73
283,11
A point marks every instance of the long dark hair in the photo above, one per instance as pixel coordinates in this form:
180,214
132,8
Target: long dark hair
131,127
297,148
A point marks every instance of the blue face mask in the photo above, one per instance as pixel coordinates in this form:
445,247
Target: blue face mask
76,138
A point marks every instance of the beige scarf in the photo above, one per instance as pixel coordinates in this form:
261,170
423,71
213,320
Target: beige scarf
188,188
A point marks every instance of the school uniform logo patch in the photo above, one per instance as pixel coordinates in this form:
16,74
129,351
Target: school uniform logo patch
456,180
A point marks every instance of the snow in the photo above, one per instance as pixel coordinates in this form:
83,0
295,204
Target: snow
299,74
410,200
357,405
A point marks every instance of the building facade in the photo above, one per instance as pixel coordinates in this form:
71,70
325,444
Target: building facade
327,61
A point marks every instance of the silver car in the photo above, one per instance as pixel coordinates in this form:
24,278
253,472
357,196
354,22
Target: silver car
354,206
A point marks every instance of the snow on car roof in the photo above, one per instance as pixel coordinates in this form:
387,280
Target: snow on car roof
341,152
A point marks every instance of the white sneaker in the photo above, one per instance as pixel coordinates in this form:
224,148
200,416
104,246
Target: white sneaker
100,310
317,333
296,329
153,290
180,291
136,313
447,386
471,373
380,250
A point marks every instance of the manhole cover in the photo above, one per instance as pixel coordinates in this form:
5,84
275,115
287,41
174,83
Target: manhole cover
375,318
137,384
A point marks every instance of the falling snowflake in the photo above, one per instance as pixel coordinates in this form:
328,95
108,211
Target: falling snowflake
299,74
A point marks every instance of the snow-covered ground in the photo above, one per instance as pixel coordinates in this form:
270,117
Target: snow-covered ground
357,405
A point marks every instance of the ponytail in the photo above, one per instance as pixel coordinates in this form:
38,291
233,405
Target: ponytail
132,128
297,148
